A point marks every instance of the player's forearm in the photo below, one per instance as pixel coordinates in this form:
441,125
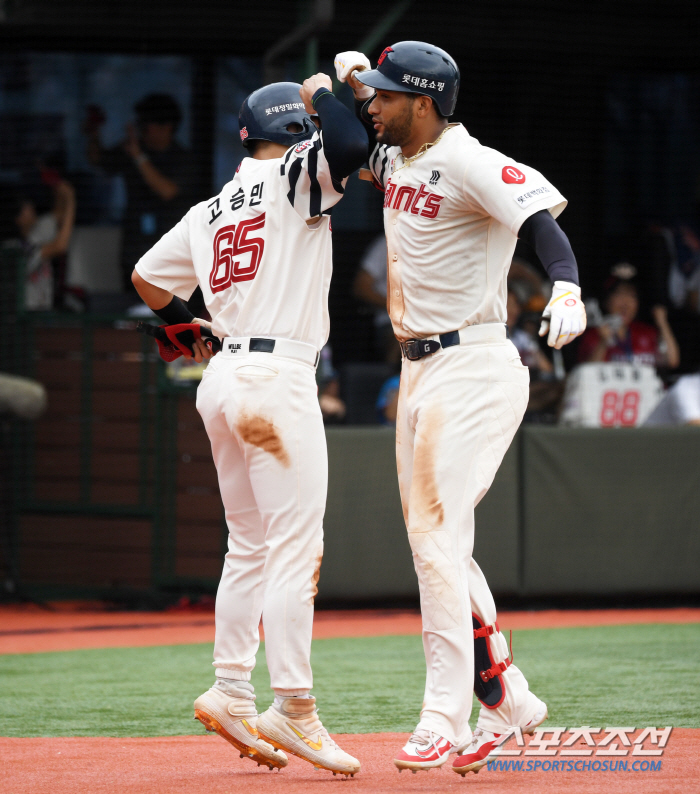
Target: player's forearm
344,138
543,234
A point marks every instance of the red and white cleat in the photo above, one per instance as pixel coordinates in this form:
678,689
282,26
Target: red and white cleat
424,750
485,746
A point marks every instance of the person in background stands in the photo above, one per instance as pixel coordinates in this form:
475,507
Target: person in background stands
159,173
621,337
44,237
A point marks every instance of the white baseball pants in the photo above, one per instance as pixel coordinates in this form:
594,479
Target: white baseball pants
262,416
457,414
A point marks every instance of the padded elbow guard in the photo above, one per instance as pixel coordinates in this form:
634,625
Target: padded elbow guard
488,686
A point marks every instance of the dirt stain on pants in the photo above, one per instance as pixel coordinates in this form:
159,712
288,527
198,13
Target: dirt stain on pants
262,433
315,577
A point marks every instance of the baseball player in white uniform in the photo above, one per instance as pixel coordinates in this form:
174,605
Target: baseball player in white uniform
453,211
261,252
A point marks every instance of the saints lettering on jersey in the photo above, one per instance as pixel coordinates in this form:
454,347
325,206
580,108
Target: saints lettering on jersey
417,201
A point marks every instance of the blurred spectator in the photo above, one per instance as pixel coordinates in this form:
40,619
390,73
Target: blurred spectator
44,237
684,278
545,391
680,405
159,173
370,287
332,407
620,336
388,401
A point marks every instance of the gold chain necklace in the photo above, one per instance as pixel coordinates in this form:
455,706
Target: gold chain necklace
407,161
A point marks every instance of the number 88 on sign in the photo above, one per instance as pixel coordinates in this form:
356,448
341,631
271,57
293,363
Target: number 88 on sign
610,395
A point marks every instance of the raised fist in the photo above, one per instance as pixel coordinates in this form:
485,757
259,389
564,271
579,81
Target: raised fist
352,61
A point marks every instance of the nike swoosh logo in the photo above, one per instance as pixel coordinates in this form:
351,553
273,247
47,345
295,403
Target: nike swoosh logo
252,731
313,745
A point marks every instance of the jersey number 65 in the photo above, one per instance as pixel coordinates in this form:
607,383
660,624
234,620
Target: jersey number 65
230,242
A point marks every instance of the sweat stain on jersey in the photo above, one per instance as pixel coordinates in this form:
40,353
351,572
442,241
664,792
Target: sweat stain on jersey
261,433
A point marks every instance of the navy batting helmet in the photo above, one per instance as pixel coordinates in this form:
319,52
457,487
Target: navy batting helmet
268,113
418,68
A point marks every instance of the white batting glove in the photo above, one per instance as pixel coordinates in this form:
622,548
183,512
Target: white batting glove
564,316
352,61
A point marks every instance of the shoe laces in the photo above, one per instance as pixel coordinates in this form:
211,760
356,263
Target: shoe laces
426,737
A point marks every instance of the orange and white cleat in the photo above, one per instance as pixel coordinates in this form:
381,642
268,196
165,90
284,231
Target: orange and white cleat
424,750
294,726
235,719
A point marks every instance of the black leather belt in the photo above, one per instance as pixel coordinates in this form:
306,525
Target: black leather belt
414,349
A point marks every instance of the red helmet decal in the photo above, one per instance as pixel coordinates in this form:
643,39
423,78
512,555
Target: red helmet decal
512,175
383,56
244,133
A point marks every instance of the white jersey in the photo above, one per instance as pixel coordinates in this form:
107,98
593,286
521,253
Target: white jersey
260,250
452,218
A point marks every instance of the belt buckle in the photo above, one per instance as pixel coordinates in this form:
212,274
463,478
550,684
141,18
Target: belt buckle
415,349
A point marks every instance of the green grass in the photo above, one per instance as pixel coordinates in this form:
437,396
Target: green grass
612,675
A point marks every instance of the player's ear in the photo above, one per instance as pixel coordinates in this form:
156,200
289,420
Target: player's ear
423,105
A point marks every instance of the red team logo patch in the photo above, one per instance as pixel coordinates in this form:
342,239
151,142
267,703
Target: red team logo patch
303,145
383,56
569,302
512,175
244,133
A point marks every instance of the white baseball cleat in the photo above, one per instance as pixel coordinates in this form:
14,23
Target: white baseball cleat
424,750
234,719
485,745
294,726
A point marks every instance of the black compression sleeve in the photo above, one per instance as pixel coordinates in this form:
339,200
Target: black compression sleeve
344,138
544,235
175,312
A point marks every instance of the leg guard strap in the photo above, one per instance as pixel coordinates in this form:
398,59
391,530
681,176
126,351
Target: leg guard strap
488,686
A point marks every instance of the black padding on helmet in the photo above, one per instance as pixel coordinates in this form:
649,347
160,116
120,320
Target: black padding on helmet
417,68
267,112
491,692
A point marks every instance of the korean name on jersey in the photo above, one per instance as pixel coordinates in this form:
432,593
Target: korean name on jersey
260,250
451,218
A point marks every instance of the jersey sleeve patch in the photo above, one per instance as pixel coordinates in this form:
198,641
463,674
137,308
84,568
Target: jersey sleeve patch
512,175
532,195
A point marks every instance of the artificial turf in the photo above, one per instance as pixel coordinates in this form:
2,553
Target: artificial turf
604,676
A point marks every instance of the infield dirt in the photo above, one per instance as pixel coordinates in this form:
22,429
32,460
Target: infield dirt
207,763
